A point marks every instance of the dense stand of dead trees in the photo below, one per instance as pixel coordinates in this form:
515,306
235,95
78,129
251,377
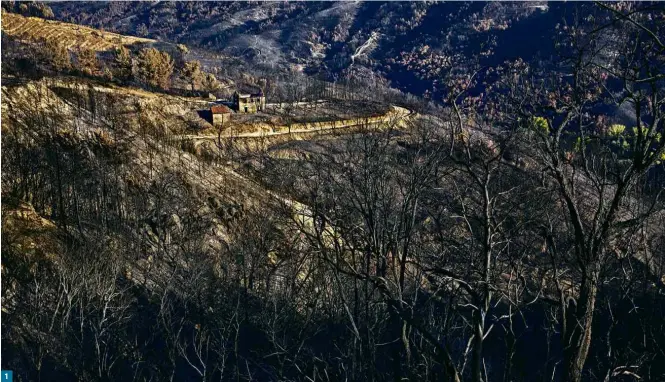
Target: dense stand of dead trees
515,236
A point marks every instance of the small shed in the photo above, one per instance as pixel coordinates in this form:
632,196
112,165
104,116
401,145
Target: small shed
220,114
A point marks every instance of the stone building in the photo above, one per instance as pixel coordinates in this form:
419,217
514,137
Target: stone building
249,103
220,114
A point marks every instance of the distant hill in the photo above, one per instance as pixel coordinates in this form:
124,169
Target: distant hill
400,42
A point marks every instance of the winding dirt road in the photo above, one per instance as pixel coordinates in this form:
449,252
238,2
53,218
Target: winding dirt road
396,114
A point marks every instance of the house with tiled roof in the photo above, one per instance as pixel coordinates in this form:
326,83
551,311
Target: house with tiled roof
220,114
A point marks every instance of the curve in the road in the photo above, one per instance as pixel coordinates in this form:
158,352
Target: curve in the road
397,112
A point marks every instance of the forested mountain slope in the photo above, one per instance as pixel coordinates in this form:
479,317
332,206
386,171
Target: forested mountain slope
401,42
511,230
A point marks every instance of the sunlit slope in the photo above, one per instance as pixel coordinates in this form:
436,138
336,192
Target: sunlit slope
72,35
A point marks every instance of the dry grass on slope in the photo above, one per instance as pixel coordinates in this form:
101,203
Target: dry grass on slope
72,35
26,230
31,236
146,126
145,162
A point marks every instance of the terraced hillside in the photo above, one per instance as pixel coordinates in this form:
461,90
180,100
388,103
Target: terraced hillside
72,35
